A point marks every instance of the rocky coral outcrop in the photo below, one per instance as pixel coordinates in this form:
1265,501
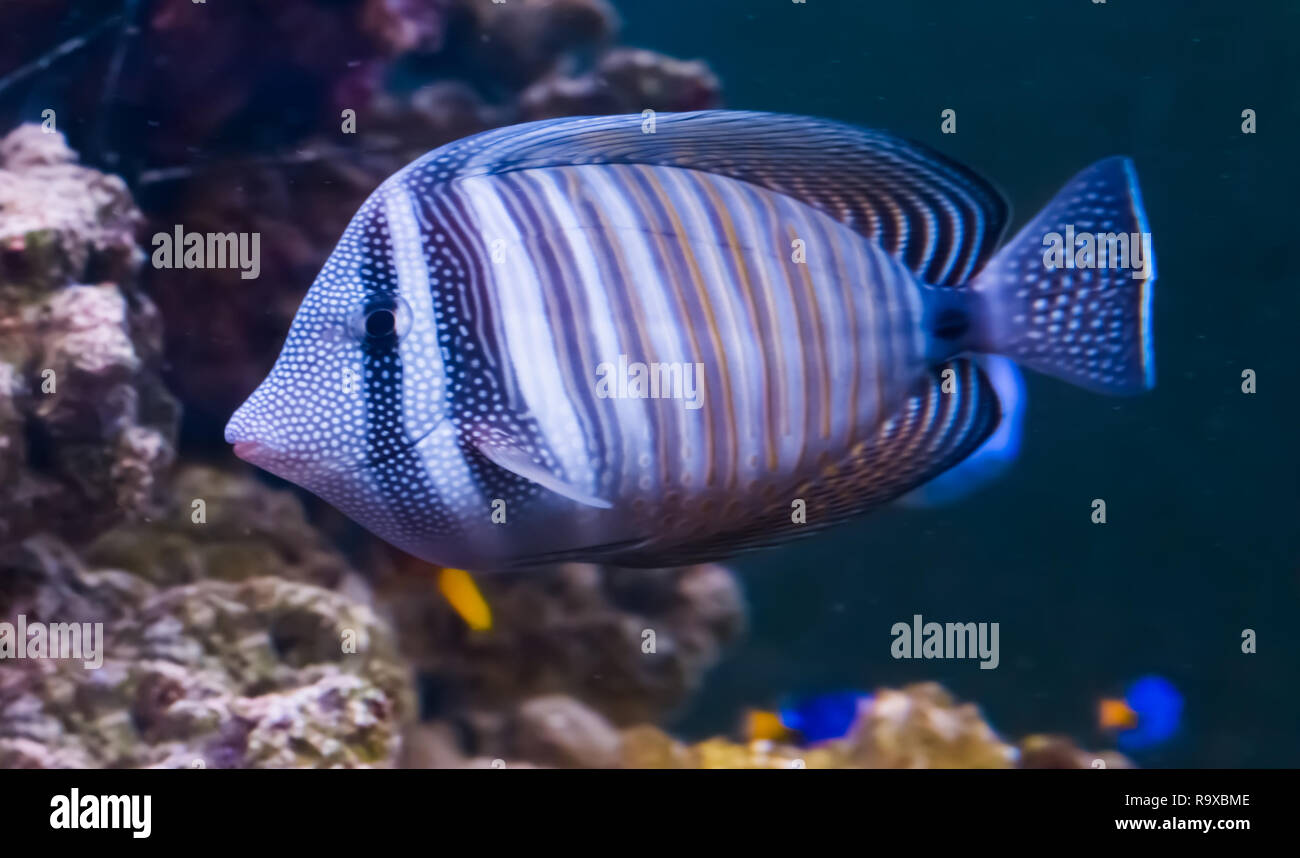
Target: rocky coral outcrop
86,428
624,80
219,525
919,726
235,635
1060,752
230,642
632,644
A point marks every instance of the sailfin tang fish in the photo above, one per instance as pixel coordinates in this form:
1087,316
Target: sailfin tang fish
573,340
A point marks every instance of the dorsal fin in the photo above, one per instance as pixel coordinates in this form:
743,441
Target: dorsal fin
938,218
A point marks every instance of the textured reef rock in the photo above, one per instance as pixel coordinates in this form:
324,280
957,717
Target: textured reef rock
208,68
559,731
232,642
86,428
919,726
1060,752
236,636
227,626
246,529
624,81
632,644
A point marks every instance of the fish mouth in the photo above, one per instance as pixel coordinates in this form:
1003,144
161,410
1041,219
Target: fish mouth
270,458
248,450
266,456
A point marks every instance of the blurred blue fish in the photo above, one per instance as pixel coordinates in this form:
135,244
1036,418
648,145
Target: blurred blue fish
819,717
1149,715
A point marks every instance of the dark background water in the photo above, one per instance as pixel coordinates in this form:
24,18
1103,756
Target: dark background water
1201,481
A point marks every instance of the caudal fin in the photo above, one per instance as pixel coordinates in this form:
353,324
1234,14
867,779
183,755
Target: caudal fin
1070,295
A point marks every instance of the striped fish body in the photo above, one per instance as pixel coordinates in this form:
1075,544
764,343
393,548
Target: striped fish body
576,340
689,275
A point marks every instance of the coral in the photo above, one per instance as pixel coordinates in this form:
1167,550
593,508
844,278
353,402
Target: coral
624,81
923,727
222,645
432,746
224,629
246,528
559,731
86,428
919,726
506,46
579,630
1060,752
283,65
245,640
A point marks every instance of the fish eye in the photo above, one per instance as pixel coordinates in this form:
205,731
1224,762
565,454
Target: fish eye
381,322
382,317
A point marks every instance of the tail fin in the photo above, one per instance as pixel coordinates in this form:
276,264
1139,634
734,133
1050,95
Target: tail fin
1070,295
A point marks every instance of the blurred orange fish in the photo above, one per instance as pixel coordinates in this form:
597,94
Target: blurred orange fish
458,588
1116,715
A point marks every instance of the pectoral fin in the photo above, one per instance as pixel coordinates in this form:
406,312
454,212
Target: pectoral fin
514,459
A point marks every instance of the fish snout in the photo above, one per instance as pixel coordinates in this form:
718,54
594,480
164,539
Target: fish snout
298,443
253,439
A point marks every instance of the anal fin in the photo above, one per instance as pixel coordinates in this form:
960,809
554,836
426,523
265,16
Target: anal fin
994,456
931,433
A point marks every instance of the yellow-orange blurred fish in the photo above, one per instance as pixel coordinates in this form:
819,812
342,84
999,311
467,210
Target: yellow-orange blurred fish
762,725
460,591
1116,715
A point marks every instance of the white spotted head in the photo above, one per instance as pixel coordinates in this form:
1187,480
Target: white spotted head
359,382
